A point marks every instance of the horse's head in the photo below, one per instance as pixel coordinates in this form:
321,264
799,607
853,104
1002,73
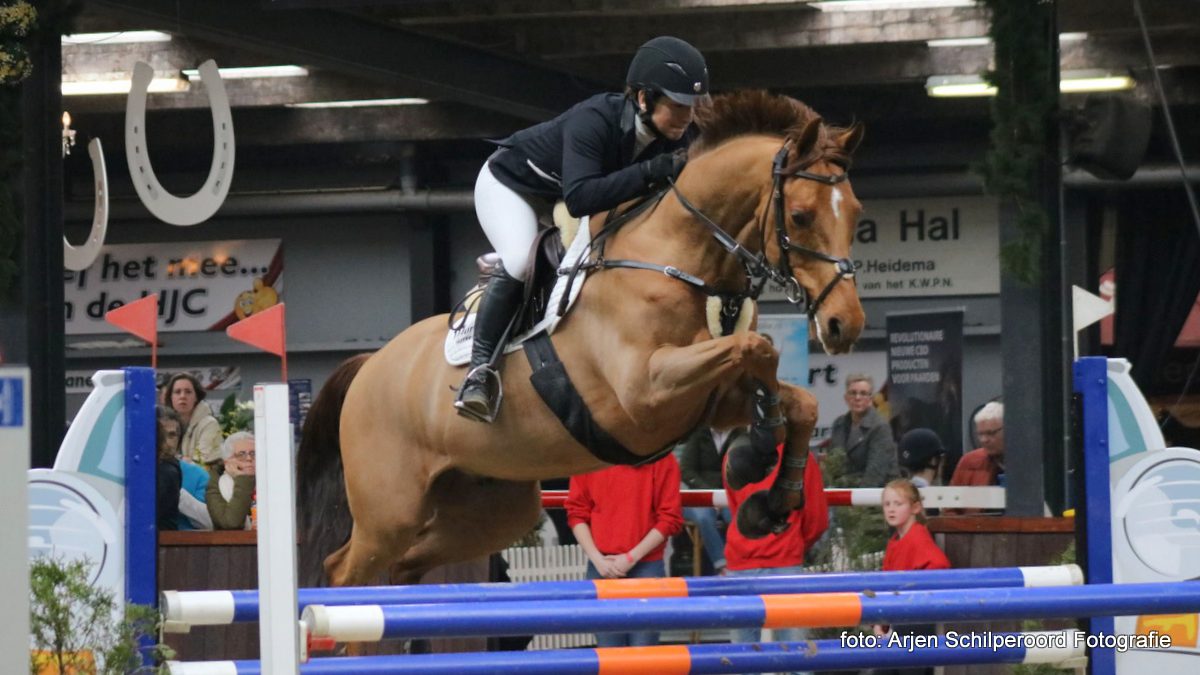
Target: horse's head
814,214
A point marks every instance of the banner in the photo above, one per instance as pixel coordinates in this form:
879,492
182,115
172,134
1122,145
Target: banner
213,378
202,285
925,247
925,375
300,396
789,332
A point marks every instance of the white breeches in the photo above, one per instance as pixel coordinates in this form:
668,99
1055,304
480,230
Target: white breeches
509,220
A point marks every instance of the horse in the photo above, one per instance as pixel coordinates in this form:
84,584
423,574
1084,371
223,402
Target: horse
391,479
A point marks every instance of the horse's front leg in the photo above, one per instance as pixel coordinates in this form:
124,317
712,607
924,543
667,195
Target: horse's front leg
767,511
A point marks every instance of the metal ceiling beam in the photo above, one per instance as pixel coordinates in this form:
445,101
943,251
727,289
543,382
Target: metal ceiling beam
445,12
421,65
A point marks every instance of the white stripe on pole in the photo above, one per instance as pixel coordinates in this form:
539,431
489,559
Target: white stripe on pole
348,624
1054,575
1065,648
202,668
939,497
279,633
197,608
14,526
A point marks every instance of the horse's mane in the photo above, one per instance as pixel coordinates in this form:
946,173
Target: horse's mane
759,112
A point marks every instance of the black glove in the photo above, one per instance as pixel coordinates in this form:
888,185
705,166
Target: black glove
657,170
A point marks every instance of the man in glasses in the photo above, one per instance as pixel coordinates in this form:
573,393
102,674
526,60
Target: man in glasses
861,440
984,465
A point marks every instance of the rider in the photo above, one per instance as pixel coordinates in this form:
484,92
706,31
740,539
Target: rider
606,150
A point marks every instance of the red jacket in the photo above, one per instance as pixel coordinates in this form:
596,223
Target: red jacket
621,503
916,550
805,526
975,468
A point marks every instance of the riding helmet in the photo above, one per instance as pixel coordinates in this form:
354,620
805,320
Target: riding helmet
672,67
918,448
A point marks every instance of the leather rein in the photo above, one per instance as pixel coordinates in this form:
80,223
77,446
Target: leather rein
758,269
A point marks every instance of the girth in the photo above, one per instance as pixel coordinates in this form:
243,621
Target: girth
552,383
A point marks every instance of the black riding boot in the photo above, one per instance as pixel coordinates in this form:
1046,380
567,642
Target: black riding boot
479,397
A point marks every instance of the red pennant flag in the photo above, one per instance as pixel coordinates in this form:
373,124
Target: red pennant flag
266,330
139,317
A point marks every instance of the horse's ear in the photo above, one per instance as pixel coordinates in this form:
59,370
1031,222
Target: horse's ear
808,137
849,139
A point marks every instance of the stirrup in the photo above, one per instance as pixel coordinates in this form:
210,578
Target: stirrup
479,411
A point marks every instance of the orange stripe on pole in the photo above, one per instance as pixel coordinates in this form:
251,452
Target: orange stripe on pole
815,610
662,660
663,587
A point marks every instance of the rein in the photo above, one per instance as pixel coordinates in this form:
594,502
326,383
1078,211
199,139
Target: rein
758,268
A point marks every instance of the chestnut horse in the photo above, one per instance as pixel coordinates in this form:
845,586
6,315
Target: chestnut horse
415,485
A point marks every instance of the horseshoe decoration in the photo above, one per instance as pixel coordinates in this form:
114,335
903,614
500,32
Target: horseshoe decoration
165,206
81,257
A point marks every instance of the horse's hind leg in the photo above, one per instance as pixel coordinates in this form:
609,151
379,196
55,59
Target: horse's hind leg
473,517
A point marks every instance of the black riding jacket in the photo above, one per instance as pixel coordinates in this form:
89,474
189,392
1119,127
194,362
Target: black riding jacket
584,156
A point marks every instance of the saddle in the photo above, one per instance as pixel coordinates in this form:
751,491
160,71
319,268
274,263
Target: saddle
544,290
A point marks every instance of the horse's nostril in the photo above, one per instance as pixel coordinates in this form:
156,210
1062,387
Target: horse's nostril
835,329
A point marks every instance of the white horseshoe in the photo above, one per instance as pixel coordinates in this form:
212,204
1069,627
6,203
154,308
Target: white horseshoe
81,257
164,205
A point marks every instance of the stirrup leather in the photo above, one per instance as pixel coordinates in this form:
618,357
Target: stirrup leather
489,377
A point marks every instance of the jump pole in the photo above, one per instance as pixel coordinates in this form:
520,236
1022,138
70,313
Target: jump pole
215,608
14,527
367,623
1052,647
934,497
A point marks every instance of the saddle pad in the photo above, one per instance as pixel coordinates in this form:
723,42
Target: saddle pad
458,342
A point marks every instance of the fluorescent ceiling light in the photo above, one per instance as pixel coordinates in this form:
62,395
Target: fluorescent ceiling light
1072,82
882,5
123,37
360,104
1072,37
960,42
252,71
103,87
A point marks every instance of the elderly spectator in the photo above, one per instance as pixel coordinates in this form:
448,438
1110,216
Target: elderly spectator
861,441
231,483
985,464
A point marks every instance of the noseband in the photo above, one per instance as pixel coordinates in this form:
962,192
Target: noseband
758,268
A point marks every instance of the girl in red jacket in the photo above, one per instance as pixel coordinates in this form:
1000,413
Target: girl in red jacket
910,547
622,517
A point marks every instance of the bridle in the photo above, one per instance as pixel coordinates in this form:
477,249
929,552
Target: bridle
757,267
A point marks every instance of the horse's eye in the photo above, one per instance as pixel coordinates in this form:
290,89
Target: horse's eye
802,218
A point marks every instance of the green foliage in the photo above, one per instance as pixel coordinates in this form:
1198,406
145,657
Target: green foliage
73,624
235,416
1025,102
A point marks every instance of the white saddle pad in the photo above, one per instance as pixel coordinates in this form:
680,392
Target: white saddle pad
458,342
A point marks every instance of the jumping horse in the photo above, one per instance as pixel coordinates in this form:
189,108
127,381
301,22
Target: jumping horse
391,479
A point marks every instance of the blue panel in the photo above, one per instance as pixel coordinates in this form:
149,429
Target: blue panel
1091,382
141,534
12,402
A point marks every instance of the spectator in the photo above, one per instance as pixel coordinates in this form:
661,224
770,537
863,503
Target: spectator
191,513
201,440
921,456
910,547
168,476
622,516
231,483
985,464
860,441
701,456
777,554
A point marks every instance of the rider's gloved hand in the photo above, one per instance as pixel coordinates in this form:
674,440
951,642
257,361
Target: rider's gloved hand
657,170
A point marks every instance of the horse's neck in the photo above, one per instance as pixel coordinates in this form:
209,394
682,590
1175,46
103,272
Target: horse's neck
729,185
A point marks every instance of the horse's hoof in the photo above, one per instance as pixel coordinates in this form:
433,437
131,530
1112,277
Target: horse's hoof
746,466
755,519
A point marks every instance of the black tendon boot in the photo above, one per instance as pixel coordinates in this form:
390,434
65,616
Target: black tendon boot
479,397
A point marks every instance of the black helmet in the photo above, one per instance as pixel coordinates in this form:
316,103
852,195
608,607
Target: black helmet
671,67
918,448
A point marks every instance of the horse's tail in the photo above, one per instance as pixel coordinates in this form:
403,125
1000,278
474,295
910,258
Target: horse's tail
323,513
